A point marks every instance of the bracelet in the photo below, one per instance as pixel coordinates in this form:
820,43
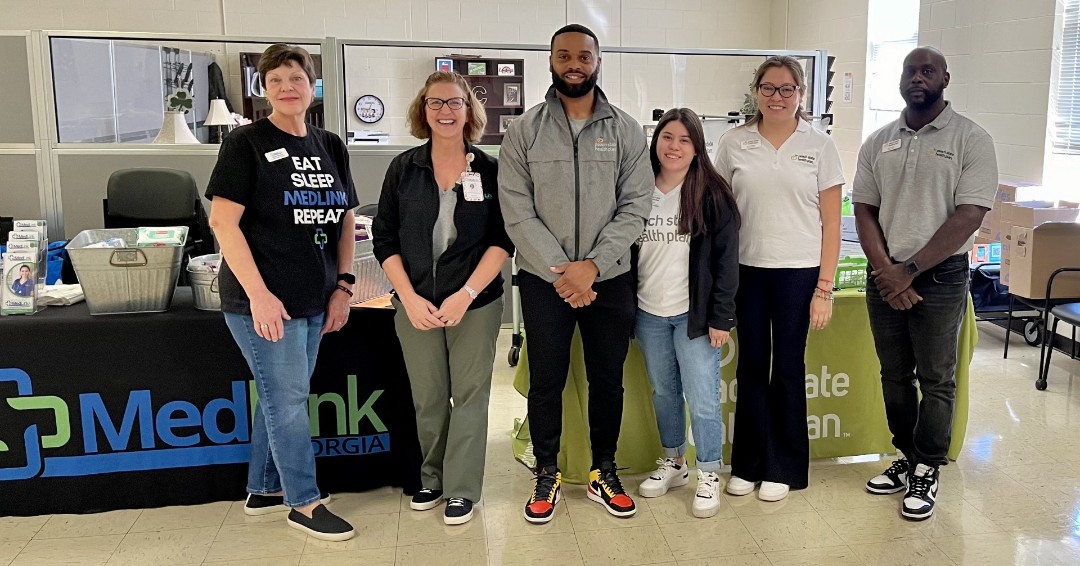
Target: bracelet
822,294
823,280
826,291
347,290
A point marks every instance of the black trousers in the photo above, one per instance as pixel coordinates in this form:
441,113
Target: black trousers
605,327
770,441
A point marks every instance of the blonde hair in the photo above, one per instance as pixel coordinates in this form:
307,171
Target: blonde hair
417,115
793,66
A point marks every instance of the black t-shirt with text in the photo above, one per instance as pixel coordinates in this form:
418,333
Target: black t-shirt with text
295,191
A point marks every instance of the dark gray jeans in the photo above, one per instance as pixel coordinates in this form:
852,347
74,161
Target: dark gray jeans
920,345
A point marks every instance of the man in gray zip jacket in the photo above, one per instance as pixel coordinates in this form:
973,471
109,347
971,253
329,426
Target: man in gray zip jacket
574,183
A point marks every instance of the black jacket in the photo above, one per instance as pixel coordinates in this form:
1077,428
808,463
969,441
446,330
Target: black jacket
408,208
714,273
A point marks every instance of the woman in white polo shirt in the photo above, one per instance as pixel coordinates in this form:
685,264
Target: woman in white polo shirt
786,176
687,275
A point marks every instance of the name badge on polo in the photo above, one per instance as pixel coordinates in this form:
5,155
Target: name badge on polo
272,156
750,144
890,146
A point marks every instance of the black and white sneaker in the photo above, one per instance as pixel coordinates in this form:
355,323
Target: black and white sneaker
426,499
921,493
892,479
256,504
458,511
322,525
667,476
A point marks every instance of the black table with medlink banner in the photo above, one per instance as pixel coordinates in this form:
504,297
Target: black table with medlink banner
148,410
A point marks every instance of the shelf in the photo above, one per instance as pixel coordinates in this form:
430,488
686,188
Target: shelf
493,76
493,107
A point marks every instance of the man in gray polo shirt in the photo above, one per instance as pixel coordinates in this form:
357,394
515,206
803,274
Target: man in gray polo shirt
923,185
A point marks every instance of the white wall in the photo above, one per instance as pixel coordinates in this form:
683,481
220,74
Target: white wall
999,55
838,26
641,23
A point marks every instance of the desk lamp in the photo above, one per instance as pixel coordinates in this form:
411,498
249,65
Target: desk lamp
219,116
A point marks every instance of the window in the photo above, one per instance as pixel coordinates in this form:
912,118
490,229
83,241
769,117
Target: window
892,32
1065,94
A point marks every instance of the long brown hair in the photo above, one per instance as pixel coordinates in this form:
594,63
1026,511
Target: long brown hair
796,70
703,186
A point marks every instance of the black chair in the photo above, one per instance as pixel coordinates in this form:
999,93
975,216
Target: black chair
1070,313
367,210
159,197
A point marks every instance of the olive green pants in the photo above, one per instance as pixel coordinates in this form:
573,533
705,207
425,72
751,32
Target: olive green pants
455,364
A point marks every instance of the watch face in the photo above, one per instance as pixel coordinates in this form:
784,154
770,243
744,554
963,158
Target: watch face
369,109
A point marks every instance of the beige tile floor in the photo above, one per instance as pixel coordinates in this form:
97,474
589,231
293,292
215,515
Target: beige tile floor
1012,498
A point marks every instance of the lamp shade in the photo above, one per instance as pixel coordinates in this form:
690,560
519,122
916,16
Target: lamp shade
219,114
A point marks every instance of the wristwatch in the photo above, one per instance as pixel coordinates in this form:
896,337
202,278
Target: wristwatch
348,278
912,268
472,292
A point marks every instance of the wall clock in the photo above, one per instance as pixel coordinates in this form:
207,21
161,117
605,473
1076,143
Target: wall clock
369,109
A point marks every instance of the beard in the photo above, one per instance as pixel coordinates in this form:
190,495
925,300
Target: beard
575,91
929,99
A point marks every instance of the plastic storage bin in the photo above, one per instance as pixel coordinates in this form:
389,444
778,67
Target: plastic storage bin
371,281
129,279
851,273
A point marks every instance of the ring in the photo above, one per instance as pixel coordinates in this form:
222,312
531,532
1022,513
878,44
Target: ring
450,322
264,326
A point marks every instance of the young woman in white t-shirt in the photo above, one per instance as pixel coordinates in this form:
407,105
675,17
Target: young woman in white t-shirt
786,176
687,275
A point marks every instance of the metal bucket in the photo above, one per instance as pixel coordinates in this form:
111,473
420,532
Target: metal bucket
129,279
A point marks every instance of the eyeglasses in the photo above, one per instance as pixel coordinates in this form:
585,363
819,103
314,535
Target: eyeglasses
786,91
456,103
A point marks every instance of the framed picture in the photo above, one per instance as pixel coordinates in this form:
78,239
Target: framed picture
477,68
504,121
444,65
512,94
506,70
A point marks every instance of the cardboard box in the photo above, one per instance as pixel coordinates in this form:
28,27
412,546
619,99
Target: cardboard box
1037,252
1019,191
1029,215
991,228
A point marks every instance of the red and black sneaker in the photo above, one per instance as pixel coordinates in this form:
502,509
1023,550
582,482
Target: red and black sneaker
606,488
541,506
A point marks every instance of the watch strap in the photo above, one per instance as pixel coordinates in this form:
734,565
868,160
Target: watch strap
472,292
348,278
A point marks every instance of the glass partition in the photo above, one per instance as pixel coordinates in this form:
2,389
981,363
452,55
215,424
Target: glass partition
638,81
117,90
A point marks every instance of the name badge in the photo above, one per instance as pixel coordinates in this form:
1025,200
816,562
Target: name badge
474,189
273,156
750,144
890,146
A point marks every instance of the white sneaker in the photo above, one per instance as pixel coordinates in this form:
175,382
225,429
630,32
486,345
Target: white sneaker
667,476
739,486
771,491
707,499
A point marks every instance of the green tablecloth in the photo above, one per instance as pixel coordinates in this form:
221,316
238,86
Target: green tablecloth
845,410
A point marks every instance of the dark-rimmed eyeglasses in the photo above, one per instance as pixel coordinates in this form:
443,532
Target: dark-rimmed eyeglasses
456,103
786,91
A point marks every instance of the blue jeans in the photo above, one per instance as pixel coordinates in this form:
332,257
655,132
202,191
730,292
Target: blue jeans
679,365
920,345
281,455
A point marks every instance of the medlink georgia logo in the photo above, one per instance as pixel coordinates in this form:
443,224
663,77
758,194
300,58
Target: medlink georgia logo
177,434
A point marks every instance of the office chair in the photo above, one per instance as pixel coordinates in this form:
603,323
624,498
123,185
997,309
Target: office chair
367,210
159,197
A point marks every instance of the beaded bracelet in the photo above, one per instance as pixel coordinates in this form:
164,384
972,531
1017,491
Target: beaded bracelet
823,294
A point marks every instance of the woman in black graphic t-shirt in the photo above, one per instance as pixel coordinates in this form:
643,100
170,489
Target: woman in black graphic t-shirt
282,200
